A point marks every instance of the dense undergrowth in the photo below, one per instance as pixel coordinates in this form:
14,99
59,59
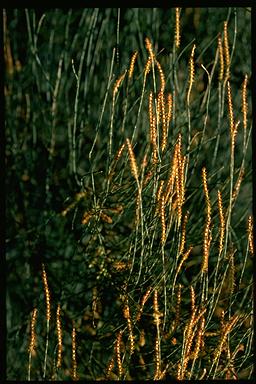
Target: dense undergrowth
129,194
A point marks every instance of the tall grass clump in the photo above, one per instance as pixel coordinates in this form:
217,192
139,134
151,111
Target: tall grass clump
129,194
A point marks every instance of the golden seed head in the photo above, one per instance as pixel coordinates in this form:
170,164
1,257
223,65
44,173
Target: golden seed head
238,183
192,65
47,293
183,233
184,258
32,344
118,353
169,108
59,335
110,367
74,363
244,101
148,66
230,109
133,164
250,235
221,57
192,298
162,215
207,233
222,222
132,63
191,72
161,74
119,152
177,27
118,83
149,48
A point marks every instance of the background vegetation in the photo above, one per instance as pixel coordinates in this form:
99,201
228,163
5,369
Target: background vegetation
61,68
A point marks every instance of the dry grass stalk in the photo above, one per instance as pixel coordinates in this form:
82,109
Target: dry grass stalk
179,178
231,274
177,27
133,164
184,258
159,194
157,359
162,215
119,153
177,308
222,222
221,57
143,301
152,124
116,159
160,190
227,329
48,315
132,63
118,83
230,110
148,66
110,367
169,109
149,48
233,141
144,163
32,343
172,177
191,72
181,187
151,115
192,298
74,375
162,77
157,315
199,339
188,335
244,103
118,353
158,108
183,233
250,235
127,316
226,50
207,231
164,125
47,293
178,193
238,184
199,315
59,335
154,144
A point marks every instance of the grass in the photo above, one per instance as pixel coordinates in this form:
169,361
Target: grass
128,146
